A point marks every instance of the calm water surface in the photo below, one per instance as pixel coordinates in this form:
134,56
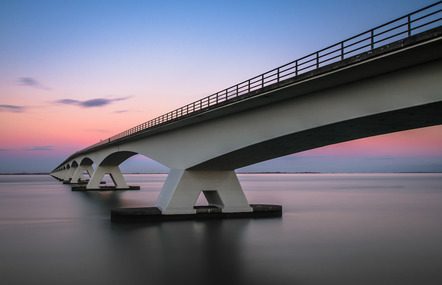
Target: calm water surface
335,229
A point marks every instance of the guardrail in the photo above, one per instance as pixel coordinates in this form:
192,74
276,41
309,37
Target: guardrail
400,28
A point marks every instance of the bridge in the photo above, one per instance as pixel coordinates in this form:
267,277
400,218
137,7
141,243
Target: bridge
384,80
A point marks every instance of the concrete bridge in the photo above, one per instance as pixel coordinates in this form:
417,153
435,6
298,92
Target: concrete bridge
385,80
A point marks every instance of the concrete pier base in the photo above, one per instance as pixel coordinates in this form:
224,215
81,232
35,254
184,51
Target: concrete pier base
153,214
84,182
104,188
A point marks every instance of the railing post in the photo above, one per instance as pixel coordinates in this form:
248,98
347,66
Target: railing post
277,75
296,68
409,25
249,85
262,80
317,59
237,90
342,50
372,38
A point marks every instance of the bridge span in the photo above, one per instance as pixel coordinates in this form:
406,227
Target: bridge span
385,80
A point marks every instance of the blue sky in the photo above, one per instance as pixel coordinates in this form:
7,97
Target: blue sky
75,72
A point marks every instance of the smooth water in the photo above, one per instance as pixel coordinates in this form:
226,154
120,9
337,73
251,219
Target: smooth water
335,229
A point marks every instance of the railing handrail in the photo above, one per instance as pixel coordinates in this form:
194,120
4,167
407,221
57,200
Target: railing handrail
336,52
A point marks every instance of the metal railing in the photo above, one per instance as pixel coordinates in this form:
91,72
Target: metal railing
400,28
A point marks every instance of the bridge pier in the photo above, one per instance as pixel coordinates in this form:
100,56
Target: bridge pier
113,171
183,187
62,174
78,175
68,174
58,175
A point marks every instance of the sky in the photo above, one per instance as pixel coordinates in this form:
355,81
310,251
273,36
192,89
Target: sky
75,72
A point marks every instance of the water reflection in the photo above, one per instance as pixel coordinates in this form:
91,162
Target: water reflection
105,200
198,252
202,252
335,229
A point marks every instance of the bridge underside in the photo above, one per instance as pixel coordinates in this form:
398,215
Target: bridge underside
383,123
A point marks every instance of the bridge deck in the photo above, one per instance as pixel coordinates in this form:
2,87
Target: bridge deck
338,73
317,70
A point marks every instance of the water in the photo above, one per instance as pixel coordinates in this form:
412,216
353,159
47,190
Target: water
335,229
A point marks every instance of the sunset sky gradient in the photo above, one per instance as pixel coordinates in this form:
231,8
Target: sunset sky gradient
75,72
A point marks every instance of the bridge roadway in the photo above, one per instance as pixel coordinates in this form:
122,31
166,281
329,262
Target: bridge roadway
388,89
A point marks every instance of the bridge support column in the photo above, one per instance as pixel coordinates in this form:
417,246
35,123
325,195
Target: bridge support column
58,175
62,174
113,171
183,187
78,175
69,173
